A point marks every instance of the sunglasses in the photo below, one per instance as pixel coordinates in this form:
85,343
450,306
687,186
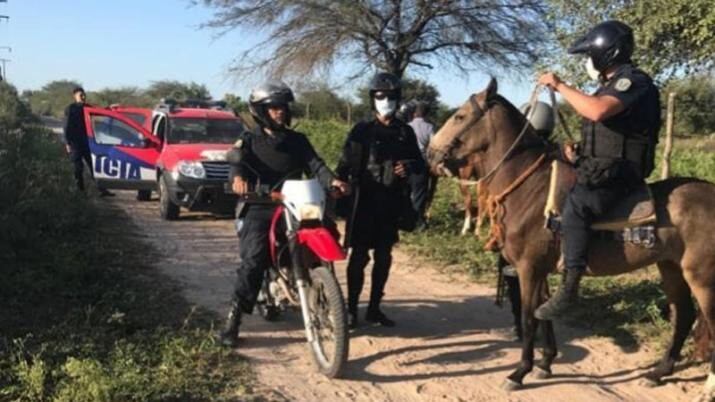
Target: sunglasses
382,95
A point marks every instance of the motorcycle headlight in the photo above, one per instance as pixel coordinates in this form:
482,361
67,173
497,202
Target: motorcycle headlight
309,212
191,169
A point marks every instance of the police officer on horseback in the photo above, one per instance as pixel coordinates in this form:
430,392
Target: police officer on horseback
377,158
620,128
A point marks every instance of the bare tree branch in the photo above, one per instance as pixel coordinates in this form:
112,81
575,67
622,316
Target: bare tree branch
305,36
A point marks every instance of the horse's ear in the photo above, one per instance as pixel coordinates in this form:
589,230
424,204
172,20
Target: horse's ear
492,88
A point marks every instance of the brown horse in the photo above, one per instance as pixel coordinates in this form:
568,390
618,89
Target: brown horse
488,125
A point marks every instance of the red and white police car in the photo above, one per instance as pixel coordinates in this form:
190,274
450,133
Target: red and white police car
177,149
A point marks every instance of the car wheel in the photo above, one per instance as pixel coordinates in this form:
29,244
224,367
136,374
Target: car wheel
167,209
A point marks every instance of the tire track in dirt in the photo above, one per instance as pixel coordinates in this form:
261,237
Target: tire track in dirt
451,342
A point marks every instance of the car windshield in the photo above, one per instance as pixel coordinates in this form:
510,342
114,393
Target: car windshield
208,131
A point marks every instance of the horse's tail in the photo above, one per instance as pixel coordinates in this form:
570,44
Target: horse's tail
702,338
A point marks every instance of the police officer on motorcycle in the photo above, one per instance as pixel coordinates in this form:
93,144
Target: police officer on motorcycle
269,154
620,128
377,158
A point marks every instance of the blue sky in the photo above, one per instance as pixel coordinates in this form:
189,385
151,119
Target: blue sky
103,43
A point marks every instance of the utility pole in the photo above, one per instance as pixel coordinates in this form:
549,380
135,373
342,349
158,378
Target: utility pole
3,71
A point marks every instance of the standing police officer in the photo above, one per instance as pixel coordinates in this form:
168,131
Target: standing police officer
619,133
76,142
377,158
270,154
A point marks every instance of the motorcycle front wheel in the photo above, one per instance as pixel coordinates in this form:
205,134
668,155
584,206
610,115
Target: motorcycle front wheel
326,307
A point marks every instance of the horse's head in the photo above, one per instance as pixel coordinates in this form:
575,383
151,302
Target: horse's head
472,131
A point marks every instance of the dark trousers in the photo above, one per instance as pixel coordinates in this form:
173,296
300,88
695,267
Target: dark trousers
419,189
78,159
359,259
254,253
583,206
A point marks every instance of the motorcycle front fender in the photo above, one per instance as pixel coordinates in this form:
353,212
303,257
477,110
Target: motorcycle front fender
321,242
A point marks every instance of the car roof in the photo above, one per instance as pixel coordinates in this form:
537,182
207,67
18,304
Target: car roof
198,113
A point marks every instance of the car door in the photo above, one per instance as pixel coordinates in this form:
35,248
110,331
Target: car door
124,154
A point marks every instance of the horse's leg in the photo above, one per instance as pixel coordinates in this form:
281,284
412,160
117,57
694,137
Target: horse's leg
682,318
478,215
703,287
550,351
467,199
530,295
512,285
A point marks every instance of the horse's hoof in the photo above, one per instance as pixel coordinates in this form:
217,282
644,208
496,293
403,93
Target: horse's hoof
542,374
511,385
649,382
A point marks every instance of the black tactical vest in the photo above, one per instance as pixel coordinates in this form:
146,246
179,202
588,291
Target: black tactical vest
628,136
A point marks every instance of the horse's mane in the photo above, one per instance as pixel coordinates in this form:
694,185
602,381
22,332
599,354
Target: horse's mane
512,112
515,115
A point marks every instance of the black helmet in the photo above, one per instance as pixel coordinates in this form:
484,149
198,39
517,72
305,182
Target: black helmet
385,82
608,43
269,93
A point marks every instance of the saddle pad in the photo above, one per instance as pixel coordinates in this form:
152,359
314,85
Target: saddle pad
637,209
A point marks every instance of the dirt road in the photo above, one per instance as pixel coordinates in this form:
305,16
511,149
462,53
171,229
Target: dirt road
451,342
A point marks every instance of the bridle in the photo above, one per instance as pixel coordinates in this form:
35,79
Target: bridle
442,154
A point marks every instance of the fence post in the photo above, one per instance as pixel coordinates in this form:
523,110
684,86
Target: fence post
668,136
307,111
350,114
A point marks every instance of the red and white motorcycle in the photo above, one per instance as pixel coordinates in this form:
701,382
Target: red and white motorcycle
301,273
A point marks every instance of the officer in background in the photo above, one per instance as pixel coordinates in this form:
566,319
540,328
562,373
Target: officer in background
270,154
377,158
76,141
422,183
620,128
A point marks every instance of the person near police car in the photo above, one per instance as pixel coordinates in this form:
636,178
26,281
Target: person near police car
620,128
271,153
76,141
378,156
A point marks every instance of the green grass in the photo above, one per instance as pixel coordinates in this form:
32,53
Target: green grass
83,314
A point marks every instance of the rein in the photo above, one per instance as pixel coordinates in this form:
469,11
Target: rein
493,205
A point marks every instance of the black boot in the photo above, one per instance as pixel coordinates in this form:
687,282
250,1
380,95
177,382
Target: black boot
353,309
565,297
375,315
229,335
352,320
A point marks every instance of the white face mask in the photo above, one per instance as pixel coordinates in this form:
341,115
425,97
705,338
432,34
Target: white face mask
385,107
591,70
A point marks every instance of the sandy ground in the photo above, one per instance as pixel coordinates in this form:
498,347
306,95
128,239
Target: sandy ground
451,342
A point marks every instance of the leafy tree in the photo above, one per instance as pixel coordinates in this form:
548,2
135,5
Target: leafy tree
694,105
307,35
130,96
235,103
672,36
321,102
13,112
177,90
52,99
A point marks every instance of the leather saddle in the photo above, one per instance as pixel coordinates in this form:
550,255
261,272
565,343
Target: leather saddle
636,209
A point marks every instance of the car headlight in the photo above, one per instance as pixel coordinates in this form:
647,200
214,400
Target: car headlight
191,169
